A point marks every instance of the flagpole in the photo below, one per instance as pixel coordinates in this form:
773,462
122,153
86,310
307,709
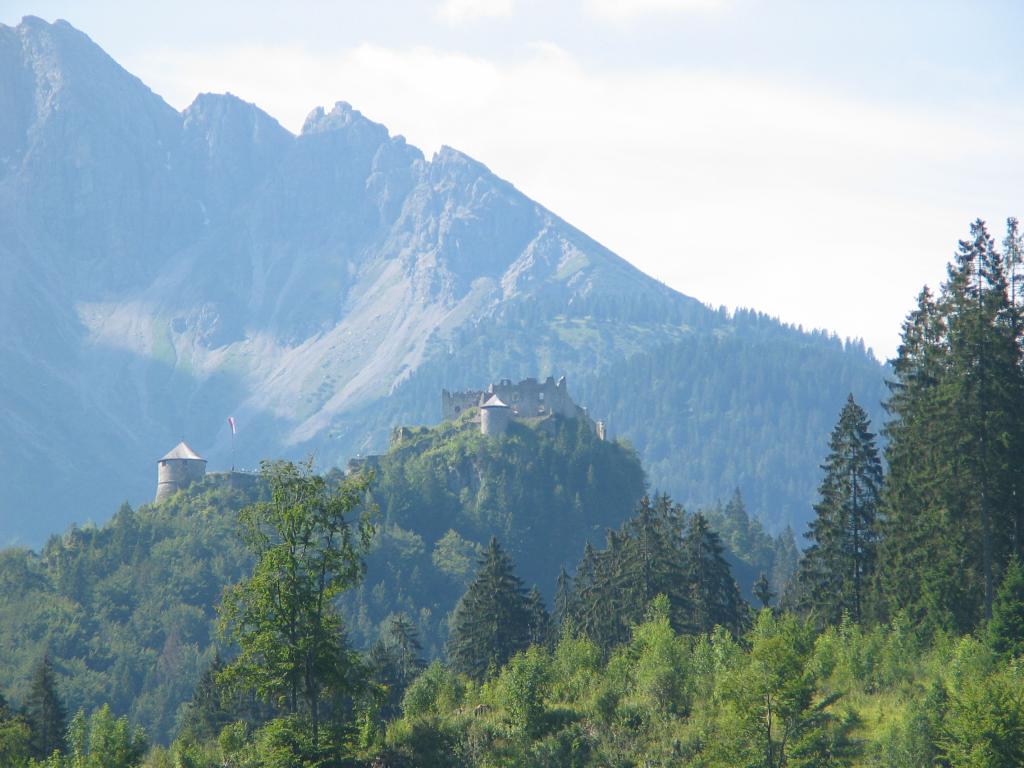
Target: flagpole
231,424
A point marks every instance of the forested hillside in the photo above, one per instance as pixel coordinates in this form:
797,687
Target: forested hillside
443,492
126,610
387,621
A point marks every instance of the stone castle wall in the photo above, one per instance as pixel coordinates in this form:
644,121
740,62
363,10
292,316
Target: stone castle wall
529,398
454,404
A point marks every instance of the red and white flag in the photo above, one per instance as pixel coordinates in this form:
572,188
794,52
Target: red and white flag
231,423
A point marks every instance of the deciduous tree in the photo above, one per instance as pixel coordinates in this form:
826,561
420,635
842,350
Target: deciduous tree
309,541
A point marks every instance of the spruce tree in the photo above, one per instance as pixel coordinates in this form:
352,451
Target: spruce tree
837,569
404,640
983,386
917,554
563,607
492,619
207,714
541,630
714,597
642,560
601,610
653,563
952,503
394,661
45,712
1006,628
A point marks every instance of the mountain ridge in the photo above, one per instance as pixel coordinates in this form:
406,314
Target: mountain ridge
176,268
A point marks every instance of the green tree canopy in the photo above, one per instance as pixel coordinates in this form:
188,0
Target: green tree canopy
309,540
492,620
837,570
953,498
45,711
1006,628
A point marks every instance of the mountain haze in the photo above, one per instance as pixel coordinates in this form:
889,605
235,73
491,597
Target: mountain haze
164,270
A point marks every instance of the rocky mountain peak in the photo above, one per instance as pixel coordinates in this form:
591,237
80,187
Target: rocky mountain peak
342,117
170,269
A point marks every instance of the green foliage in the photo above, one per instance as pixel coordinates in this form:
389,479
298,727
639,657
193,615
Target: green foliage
211,707
436,691
15,741
493,619
659,662
45,712
522,689
308,550
659,551
750,550
394,661
455,556
664,698
125,611
543,490
101,740
1006,628
956,438
838,568
984,722
714,597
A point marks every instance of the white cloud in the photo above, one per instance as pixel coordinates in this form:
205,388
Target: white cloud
620,10
459,11
819,209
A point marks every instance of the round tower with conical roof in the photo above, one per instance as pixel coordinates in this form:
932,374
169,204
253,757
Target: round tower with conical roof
494,416
178,469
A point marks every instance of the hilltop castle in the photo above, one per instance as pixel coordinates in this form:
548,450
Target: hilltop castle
496,407
504,402
181,467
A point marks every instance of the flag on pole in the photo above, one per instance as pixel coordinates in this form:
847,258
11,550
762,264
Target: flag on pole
231,422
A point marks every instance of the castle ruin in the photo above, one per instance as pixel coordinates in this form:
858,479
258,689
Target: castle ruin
504,402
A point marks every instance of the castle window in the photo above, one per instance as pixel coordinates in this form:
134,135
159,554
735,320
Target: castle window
540,396
458,409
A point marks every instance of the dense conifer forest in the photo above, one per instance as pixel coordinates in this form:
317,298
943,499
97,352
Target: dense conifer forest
468,601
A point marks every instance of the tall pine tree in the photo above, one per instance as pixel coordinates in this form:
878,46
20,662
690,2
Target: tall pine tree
541,628
45,712
643,559
1006,628
952,503
492,619
838,568
564,598
714,597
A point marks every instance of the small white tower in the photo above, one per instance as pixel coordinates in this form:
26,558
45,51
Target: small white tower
178,469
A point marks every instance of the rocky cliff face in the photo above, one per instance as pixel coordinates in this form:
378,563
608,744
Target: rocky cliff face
164,270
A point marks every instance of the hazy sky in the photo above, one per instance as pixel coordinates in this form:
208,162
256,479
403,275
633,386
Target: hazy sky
815,160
